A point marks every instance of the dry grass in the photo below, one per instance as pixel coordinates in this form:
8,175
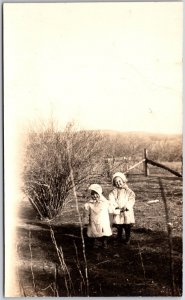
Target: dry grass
120,270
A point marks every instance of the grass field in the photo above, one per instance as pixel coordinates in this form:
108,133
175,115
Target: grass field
144,268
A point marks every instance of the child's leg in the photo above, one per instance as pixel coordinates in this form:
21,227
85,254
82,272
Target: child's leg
104,241
120,230
91,242
127,228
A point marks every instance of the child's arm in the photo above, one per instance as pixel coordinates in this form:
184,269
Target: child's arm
86,214
113,206
131,200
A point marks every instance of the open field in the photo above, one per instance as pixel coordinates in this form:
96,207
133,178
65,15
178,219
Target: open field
143,268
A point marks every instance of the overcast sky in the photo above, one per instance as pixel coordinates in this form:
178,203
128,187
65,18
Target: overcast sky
107,65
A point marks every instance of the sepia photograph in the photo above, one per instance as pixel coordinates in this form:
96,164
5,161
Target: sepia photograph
93,159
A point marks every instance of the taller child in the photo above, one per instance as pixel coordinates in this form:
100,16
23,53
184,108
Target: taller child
122,200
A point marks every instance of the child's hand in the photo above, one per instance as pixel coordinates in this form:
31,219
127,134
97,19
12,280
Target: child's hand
117,211
124,209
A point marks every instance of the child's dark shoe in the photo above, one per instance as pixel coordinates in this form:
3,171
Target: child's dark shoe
105,246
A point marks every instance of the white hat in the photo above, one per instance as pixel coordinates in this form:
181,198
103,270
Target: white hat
97,188
121,175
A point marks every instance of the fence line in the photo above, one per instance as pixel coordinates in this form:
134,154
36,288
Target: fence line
146,162
134,166
153,163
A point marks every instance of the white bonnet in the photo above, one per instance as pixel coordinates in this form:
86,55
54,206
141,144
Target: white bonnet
121,175
97,188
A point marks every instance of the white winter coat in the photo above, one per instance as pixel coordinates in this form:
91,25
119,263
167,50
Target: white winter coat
98,213
122,199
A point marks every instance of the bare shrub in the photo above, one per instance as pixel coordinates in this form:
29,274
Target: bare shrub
46,175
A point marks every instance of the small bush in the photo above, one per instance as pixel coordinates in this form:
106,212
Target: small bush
46,174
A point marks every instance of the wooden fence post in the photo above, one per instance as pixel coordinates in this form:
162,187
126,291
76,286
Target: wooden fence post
146,170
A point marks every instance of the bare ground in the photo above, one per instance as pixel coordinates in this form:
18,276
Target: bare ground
143,268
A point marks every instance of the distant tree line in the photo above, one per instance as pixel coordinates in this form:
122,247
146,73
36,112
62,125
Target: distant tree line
160,147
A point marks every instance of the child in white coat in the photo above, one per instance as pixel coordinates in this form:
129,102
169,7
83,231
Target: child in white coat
97,212
122,200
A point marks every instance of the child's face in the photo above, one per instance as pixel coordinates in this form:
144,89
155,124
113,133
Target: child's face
118,182
95,196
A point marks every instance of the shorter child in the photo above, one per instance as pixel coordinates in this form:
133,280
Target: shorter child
97,212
